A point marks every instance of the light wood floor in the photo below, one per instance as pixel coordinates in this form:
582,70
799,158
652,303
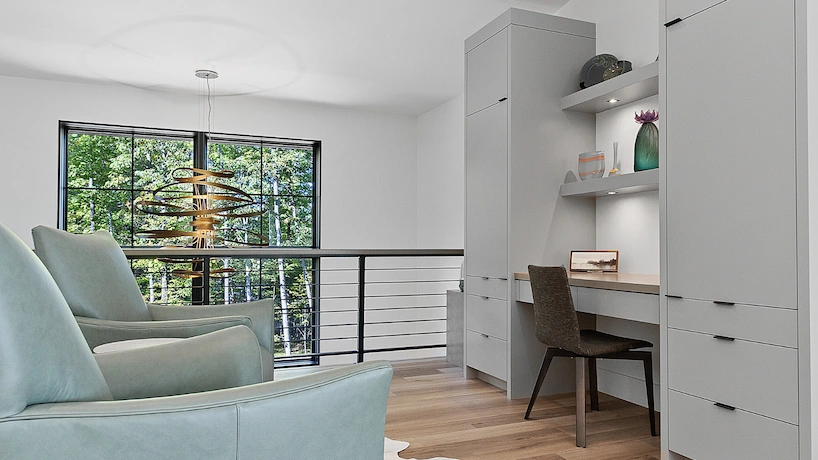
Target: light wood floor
440,413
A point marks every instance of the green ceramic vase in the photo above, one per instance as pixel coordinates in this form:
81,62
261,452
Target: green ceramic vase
646,150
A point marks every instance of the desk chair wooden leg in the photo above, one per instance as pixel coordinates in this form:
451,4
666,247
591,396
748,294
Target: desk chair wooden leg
594,389
648,360
580,371
546,362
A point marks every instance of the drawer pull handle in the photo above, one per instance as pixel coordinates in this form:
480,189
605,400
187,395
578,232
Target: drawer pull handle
485,336
724,406
502,99
670,296
675,21
485,278
485,297
722,337
503,279
726,304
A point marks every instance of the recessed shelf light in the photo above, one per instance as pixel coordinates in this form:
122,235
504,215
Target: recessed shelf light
611,193
613,101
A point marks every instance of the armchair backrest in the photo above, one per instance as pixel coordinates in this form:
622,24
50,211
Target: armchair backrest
43,355
554,313
93,274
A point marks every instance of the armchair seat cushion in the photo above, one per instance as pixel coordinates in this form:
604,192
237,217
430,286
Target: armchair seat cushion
232,358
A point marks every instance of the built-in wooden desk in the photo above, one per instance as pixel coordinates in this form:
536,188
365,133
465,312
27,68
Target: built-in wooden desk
620,295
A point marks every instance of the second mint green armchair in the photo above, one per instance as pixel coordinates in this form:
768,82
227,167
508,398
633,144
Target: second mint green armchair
96,279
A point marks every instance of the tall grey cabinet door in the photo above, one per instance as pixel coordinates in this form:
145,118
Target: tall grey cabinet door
731,229
486,192
683,9
487,73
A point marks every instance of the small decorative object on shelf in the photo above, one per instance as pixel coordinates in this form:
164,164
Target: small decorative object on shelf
617,69
615,165
646,150
591,165
600,68
594,261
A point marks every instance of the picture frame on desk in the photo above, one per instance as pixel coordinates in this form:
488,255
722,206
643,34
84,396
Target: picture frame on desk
606,261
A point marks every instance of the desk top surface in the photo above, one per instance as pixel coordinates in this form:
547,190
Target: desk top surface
630,282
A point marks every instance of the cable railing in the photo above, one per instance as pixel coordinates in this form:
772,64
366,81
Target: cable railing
331,306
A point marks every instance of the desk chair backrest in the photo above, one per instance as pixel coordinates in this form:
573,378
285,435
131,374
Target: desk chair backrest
554,313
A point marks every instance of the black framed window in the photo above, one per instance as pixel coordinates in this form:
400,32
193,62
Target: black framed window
104,169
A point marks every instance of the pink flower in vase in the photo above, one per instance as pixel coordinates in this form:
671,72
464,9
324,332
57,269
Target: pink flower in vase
646,117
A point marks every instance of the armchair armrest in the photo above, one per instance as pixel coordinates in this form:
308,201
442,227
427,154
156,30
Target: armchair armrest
260,313
99,331
343,410
222,359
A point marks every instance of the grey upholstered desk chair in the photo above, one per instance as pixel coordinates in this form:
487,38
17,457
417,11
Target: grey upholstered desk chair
96,280
558,327
58,402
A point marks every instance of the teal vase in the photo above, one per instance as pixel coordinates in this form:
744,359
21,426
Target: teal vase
646,150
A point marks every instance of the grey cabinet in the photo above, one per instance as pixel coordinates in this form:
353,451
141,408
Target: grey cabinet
683,9
733,343
731,217
487,72
518,142
486,185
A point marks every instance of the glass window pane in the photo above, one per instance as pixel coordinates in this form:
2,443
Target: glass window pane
243,160
155,160
288,171
99,161
145,222
241,286
289,221
92,210
159,285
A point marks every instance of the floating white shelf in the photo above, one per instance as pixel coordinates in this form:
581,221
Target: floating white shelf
628,87
641,181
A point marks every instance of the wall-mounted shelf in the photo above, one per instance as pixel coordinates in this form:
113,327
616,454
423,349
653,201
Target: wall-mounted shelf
628,87
642,181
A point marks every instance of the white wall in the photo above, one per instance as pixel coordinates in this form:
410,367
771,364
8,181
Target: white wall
628,29
440,176
368,159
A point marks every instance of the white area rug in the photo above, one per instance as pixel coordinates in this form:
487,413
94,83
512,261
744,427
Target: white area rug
391,449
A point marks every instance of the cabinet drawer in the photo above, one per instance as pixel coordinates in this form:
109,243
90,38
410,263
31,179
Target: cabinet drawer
777,326
755,377
495,288
699,429
487,316
486,354
633,306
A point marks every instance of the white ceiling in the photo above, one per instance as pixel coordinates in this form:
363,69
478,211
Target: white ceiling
395,56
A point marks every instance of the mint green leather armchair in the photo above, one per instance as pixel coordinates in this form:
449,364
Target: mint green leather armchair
58,401
96,279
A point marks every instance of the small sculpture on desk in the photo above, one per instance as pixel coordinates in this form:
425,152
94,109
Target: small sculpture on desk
615,165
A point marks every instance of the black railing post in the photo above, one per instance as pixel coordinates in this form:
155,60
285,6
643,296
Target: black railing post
361,305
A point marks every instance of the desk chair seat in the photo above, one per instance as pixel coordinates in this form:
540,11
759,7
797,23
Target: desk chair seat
597,344
557,326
